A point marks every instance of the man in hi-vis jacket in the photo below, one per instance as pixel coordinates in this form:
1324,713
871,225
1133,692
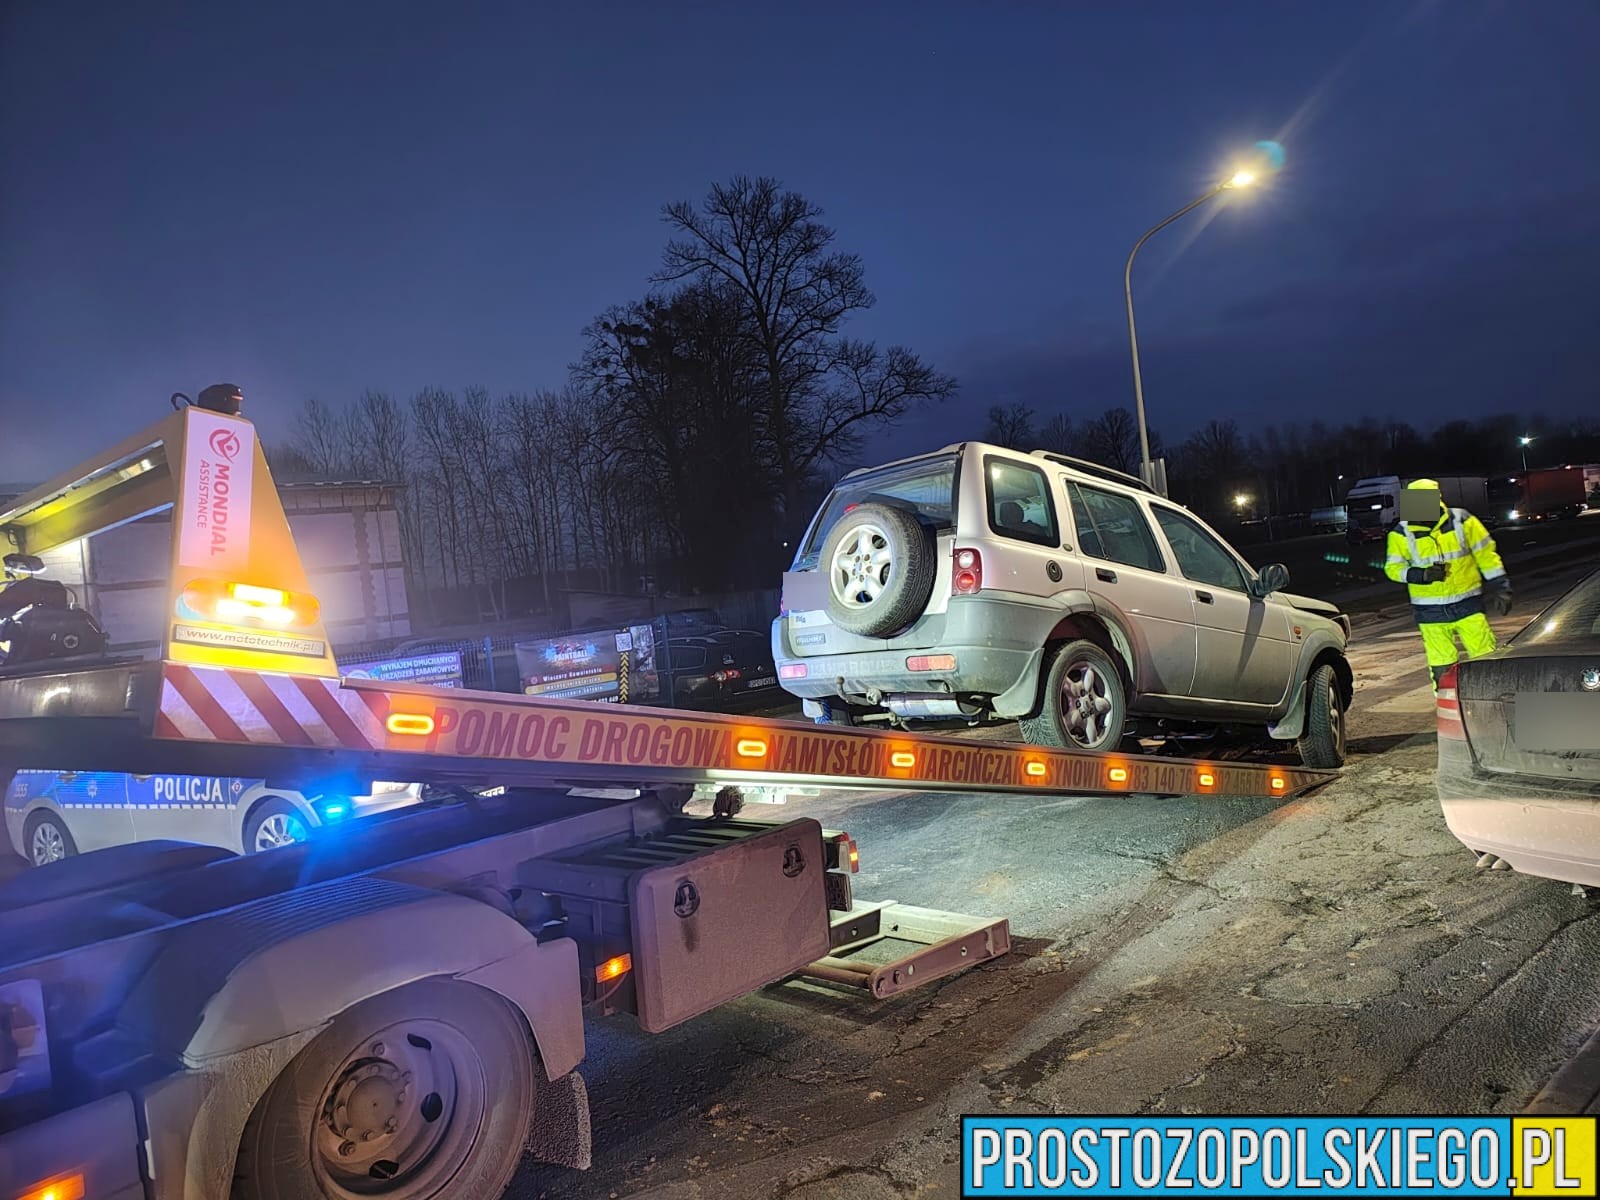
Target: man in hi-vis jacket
1451,568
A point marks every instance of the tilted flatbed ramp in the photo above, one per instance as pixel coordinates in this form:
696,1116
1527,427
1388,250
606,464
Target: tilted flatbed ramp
289,727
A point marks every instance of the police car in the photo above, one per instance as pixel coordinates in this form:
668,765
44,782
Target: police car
53,814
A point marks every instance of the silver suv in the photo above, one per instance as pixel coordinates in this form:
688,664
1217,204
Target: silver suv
979,582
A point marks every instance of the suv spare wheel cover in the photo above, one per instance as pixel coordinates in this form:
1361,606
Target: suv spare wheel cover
880,566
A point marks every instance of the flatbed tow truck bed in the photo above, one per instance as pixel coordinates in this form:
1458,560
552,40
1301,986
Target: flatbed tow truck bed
397,1008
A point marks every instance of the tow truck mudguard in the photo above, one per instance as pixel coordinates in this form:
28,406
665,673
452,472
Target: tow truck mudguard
235,997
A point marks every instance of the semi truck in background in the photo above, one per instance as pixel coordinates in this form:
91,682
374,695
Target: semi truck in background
1373,503
1550,493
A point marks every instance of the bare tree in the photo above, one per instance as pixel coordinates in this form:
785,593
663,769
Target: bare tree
771,246
1112,439
1011,426
322,438
1060,435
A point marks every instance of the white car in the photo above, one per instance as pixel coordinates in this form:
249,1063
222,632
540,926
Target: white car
51,815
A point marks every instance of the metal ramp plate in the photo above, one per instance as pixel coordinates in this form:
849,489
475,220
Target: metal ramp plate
944,943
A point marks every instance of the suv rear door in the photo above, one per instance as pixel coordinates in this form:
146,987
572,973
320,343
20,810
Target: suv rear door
1021,534
1130,584
1244,653
924,485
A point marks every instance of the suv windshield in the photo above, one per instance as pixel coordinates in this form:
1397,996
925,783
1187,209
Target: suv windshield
1573,618
926,487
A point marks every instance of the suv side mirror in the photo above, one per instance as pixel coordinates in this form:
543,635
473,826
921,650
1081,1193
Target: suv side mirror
1273,577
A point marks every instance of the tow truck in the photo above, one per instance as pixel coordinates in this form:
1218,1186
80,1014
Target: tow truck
398,1009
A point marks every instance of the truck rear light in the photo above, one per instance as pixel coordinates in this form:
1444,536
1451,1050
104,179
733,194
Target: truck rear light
903,760
412,724
1447,704
967,578
931,662
1118,774
69,1187
840,853
751,747
613,968
793,671
247,604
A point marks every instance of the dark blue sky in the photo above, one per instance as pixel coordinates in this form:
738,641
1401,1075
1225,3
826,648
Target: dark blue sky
311,199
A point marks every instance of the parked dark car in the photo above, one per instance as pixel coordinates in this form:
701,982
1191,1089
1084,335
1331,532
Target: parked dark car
1519,745
721,670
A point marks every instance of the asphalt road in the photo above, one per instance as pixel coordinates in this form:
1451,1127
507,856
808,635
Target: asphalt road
1337,953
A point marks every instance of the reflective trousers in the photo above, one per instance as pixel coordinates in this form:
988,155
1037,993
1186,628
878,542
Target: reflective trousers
1439,641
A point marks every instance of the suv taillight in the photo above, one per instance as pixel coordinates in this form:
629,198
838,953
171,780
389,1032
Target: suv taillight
967,577
1447,704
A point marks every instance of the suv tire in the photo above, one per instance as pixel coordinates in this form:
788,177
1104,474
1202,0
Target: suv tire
879,562
1085,703
1322,743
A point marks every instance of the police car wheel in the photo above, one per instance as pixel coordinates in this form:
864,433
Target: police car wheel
272,824
47,840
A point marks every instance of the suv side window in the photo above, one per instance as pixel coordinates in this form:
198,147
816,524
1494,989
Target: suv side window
1200,556
1020,505
1111,526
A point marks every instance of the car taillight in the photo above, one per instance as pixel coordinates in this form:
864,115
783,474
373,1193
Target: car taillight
1447,704
967,578
793,671
931,662
727,676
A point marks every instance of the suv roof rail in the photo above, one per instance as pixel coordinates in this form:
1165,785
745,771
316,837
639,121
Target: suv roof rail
1094,468
876,467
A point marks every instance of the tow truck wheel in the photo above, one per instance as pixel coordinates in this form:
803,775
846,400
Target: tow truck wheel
47,840
422,1092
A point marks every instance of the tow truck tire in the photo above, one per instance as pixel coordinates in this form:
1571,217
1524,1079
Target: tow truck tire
1322,743
422,1093
46,840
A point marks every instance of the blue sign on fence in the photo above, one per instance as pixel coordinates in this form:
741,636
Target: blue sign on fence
442,669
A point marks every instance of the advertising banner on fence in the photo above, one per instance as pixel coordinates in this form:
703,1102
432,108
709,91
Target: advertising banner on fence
441,669
613,665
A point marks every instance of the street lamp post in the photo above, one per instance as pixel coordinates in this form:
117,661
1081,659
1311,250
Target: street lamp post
1272,159
1524,442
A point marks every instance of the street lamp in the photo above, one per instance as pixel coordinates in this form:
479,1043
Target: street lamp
1525,441
1271,159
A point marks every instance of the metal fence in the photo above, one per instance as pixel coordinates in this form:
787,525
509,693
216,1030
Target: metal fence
489,660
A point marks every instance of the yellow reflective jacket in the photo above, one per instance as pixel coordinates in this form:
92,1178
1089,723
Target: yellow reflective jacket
1458,541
